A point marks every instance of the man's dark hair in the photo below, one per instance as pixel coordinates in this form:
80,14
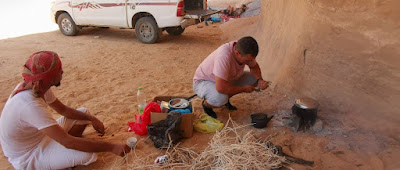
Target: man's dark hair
247,45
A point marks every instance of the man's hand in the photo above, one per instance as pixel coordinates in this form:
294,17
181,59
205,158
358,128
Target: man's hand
248,89
121,149
262,84
98,125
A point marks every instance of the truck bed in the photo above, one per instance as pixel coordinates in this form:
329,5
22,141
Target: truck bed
200,14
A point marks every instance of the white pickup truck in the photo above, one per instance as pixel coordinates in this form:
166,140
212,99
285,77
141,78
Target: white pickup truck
148,17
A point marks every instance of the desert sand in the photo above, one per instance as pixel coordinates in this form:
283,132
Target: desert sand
344,54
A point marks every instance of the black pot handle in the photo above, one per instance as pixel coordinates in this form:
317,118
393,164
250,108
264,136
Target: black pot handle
191,97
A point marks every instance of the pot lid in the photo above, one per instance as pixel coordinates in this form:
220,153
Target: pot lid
307,103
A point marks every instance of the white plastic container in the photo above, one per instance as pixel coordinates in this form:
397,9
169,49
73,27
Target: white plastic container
131,142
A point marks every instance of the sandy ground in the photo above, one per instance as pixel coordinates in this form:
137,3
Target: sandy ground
104,67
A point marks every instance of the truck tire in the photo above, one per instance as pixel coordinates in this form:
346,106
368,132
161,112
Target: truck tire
147,30
66,25
175,30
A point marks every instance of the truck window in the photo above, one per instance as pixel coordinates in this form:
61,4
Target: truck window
194,5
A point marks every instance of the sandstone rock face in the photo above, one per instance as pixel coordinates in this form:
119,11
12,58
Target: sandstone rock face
343,53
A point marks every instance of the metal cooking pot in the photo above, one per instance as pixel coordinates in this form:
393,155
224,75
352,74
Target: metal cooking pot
180,103
306,109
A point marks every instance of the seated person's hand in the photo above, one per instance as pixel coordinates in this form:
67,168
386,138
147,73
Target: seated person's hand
249,89
262,84
121,149
98,126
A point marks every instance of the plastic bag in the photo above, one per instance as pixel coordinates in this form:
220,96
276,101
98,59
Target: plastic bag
166,132
142,120
207,124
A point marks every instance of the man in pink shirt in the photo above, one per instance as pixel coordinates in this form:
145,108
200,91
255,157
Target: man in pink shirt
221,75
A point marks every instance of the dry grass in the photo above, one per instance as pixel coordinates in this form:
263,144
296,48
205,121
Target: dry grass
234,147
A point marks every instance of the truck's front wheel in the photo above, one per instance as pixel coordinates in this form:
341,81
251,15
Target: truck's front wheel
147,31
175,30
67,25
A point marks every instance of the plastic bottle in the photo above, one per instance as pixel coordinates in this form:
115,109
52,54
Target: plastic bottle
141,100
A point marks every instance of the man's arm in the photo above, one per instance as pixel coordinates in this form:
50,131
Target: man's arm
256,72
69,112
225,87
77,115
85,145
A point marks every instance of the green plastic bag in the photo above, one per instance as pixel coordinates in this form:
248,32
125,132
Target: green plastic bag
207,124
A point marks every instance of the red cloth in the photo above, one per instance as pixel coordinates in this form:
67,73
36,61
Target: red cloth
226,18
42,70
139,127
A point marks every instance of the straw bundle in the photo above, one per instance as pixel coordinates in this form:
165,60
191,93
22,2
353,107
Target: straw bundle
231,148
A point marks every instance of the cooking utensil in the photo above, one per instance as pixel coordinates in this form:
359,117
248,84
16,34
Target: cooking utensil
260,120
306,109
180,103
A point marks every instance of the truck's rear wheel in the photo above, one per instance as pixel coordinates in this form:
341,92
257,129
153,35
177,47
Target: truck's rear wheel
147,30
175,30
66,25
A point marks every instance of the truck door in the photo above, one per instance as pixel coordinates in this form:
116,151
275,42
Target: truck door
108,13
79,12
101,12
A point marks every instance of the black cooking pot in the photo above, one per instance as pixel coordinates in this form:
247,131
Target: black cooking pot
260,120
306,108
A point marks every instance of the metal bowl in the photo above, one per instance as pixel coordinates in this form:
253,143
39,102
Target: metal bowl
178,103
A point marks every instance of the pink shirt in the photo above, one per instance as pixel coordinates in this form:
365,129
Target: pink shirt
220,63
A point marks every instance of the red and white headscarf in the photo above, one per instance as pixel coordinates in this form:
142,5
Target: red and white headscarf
40,71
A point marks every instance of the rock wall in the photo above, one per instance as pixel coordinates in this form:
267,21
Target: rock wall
345,54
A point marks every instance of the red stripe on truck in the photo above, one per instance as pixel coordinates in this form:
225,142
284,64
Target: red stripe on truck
157,3
100,5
